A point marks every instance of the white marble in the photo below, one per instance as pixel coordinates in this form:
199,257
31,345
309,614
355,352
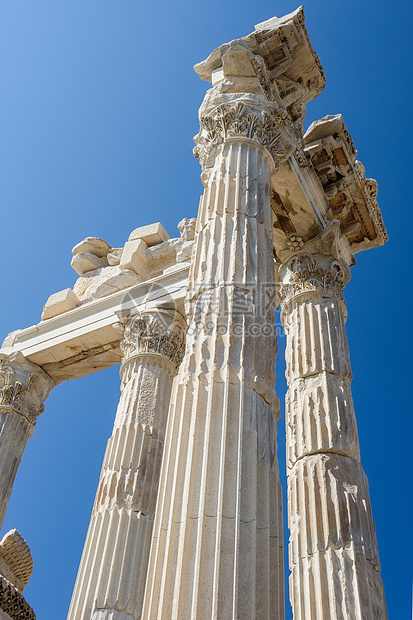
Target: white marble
112,573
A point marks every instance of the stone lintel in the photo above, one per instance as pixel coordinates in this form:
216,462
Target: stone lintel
86,339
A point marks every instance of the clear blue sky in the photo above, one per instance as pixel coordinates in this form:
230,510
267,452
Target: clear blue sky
97,113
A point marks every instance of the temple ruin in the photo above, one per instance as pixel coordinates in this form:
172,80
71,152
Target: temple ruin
187,519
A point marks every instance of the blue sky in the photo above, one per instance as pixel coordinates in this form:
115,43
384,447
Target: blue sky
97,113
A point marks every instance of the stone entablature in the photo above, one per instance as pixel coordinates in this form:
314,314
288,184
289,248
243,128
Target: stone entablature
352,196
87,339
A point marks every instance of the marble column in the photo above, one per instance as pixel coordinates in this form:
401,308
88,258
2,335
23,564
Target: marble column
334,562
111,578
23,388
217,550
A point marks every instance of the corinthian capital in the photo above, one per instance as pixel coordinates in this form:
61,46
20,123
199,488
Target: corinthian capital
310,275
317,268
160,332
242,118
23,386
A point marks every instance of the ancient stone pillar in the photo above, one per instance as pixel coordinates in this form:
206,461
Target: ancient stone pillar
112,572
23,388
217,546
335,570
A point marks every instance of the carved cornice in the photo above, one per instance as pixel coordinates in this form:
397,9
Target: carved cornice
352,196
160,332
227,121
23,386
13,603
303,273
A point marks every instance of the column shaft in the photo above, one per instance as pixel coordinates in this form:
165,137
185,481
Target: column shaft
15,431
335,571
23,388
217,546
112,573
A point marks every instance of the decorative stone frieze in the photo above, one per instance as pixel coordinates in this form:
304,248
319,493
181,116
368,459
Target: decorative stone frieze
23,388
112,573
352,196
13,603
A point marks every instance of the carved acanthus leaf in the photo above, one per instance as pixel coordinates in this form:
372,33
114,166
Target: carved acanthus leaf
305,274
227,121
155,332
23,386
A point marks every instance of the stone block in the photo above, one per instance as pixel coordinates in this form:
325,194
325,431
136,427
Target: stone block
133,257
151,234
116,282
84,262
92,245
60,302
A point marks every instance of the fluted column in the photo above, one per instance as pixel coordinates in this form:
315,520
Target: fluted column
217,545
334,563
112,572
23,388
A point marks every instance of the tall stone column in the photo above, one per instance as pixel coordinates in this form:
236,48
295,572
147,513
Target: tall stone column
112,572
23,388
335,570
217,549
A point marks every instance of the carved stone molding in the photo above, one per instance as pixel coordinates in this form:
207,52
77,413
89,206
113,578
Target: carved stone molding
155,331
15,551
23,386
240,120
304,274
13,603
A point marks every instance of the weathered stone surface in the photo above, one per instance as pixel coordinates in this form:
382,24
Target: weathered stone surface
187,229
84,262
114,257
151,234
93,245
103,282
60,302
